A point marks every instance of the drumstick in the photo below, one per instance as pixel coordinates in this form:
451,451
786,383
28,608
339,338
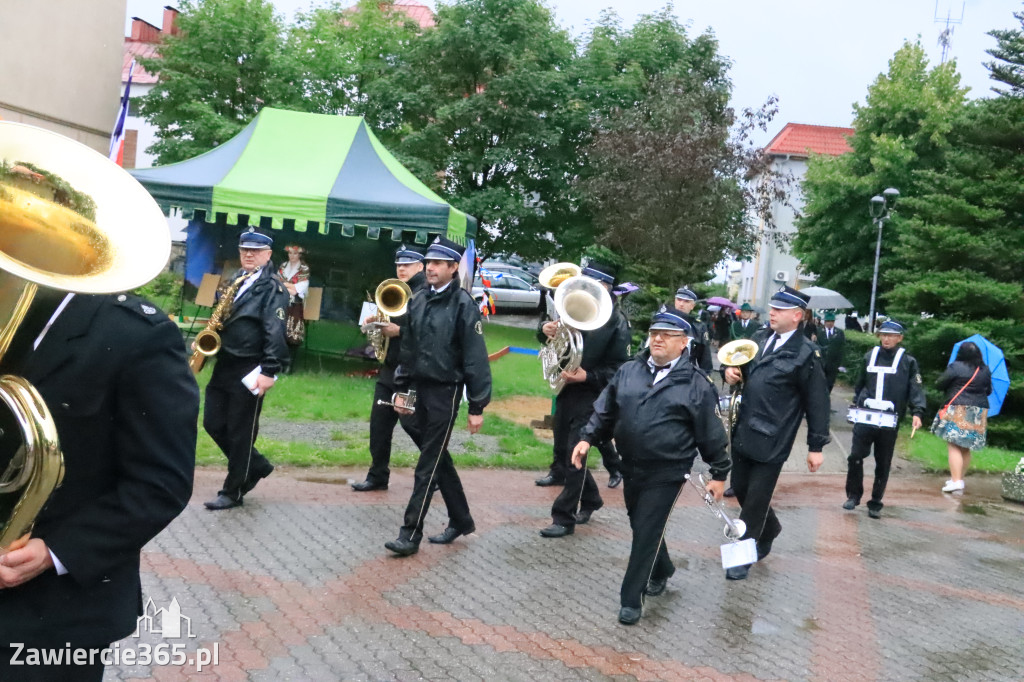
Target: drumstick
913,431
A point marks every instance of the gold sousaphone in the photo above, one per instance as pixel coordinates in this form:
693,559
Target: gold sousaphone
70,220
735,354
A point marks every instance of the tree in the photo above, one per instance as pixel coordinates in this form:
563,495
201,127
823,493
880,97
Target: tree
902,129
1008,67
226,65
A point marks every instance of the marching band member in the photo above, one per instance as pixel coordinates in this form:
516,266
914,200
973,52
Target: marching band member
699,349
661,412
604,350
409,269
889,381
784,382
443,351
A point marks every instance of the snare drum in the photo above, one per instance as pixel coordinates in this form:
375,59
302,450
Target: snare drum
858,415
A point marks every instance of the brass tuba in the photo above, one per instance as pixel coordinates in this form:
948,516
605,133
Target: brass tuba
582,304
392,300
70,220
734,354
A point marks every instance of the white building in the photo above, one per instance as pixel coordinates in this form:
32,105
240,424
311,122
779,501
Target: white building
774,266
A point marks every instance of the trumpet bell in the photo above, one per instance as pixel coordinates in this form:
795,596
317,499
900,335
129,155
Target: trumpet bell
738,352
392,297
583,303
553,275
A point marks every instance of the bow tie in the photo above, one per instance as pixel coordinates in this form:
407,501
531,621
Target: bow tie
659,368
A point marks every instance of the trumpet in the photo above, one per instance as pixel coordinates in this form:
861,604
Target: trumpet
734,528
392,300
408,401
734,354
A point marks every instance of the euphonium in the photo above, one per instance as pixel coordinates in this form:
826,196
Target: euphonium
207,342
582,304
70,220
734,354
392,300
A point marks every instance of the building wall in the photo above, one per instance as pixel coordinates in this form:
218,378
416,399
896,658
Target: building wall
758,277
61,65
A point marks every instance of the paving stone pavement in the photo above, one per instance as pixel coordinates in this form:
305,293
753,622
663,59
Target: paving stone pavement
296,585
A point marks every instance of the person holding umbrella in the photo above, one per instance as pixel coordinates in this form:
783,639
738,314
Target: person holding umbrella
963,421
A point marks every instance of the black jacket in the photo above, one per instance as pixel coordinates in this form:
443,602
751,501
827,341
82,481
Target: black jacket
902,388
417,283
115,377
832,348
956,377
778,391
668,422
700,345
444,343
254,329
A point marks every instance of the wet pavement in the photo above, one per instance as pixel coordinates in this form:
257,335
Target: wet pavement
297,585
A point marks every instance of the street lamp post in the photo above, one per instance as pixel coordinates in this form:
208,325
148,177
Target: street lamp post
881,205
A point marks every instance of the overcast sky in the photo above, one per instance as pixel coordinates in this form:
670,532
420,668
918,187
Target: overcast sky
817,56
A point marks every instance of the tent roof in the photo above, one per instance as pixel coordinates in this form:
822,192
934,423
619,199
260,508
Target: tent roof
319,171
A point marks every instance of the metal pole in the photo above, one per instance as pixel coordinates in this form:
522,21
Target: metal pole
874,280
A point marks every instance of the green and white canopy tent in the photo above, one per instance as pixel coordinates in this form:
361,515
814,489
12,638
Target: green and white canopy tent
324,182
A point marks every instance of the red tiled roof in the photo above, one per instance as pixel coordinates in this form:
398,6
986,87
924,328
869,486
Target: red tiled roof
133,50
419,13
800,139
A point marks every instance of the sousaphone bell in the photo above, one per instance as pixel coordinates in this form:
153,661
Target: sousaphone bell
70,220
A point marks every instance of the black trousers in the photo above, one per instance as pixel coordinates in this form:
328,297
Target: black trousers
232,418
437,407
562,450
831,372
382,427
884,442
650,496
754,484
572,411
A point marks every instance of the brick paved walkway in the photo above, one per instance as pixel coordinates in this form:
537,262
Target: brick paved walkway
296,585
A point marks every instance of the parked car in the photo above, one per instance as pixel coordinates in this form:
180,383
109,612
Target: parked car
508,269
511,293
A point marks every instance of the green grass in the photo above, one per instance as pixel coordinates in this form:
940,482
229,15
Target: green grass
328,388
930,451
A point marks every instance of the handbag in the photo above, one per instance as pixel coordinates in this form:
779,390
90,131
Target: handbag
944,410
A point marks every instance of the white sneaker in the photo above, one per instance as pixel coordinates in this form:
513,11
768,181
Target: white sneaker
952,486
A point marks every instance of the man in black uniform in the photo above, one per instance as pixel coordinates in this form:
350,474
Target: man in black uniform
833,342
443,351
699,350
409,269
253,348
782,383
661,412
113,371
890,380
604,350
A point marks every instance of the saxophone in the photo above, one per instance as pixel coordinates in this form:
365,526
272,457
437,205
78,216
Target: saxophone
207,343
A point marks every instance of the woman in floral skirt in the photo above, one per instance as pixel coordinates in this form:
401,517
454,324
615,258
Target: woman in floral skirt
964,419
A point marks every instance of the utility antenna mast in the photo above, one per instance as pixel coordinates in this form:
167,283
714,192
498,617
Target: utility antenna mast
946,35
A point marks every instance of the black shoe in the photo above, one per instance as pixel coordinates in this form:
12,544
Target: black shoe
251,482
222,502
403,547
583,516
557,531
729,492
850,504
368,485
737,572
655,587
875,513
629,616
449,534
764,548
549,480
614,480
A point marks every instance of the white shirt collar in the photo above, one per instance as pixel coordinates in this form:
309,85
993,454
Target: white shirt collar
664,372
437,291
781,338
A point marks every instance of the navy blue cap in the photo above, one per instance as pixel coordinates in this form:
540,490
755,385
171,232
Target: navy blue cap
252,239
891,327
669,319
408,254
787,298
602,272
686,294
443,248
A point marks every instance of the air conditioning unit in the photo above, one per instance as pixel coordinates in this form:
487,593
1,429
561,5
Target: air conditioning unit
781,276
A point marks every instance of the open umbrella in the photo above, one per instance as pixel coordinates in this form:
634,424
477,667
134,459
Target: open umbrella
993,357
720,301
822,298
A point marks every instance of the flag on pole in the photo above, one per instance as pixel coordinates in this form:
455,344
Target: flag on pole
117,137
